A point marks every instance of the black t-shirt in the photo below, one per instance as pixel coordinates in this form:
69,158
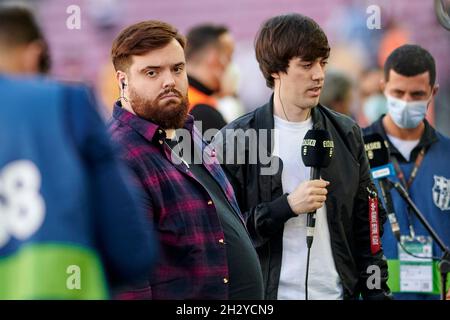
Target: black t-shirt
243,265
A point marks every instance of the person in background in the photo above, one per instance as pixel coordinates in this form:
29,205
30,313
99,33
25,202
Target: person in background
372,108
228,102
209,50
372,101
70,227
23,48
337,92
420,156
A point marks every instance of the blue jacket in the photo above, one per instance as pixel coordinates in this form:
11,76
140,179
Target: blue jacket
69,227
430,191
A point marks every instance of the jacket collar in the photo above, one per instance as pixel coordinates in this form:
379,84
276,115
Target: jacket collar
265,120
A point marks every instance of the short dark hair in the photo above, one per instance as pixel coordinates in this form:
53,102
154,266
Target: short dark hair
284,37
19,27
410,60
202,36
140,38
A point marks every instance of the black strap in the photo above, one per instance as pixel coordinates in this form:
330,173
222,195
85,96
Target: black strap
407,184
401,175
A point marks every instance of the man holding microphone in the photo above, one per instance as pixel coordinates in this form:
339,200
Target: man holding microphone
292,52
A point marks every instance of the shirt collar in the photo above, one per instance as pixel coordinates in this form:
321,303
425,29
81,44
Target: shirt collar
428,137
148,129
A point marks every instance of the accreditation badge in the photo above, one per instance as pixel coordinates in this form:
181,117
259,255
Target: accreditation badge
416,273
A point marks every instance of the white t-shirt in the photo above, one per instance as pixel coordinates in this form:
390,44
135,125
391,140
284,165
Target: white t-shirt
405,147
323,280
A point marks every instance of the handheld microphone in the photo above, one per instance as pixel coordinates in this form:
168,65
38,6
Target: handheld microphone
317,151
378,155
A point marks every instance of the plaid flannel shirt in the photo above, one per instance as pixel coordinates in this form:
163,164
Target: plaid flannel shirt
193,263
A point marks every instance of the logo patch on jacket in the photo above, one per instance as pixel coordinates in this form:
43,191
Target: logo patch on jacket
441,193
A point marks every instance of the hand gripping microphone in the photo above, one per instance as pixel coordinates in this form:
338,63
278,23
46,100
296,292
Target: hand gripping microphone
317,151
381,169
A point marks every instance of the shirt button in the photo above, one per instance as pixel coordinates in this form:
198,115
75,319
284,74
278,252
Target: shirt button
221,241
209,202
160,131
225,280
160,142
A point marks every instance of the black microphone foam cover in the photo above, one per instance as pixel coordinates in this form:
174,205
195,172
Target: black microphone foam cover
376,150
317,149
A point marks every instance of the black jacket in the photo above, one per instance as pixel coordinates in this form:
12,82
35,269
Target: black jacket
266,208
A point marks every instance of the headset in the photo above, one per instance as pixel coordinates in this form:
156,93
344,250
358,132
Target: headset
122,96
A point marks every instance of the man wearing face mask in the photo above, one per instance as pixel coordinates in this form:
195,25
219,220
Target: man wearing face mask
209,50
420,156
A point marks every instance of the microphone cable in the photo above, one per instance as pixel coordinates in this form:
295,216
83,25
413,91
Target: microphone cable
311,221
307,273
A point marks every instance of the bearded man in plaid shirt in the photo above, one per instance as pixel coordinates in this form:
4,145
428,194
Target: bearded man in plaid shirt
206,252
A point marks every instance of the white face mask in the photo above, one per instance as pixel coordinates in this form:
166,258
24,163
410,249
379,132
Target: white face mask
407,115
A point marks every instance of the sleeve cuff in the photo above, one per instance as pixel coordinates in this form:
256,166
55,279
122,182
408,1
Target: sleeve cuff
280,211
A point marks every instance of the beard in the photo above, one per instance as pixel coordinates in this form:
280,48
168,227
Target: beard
168,114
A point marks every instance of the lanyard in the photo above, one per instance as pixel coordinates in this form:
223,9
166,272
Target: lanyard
407,184
401,175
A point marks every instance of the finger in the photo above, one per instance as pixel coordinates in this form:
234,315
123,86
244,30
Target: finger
321,199
317,205
317,199
319,191
319,183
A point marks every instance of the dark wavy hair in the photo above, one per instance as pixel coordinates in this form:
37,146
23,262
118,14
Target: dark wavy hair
284,37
